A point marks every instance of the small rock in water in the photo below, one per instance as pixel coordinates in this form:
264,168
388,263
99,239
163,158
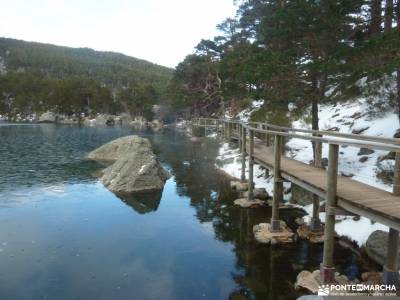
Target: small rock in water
363,159
246,203
263,234
372,278
304,231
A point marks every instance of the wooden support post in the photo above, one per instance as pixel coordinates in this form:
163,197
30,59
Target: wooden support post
315,223
327,268
243,133
205,127
278,185
391,268
267,137
250,195
217,125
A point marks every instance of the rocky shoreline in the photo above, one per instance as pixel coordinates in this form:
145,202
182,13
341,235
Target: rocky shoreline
49,117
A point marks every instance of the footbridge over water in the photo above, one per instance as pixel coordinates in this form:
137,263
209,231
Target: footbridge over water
264,143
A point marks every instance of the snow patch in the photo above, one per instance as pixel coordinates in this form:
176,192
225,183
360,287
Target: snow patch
245,114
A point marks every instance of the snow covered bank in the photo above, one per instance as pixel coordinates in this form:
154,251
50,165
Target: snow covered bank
363,166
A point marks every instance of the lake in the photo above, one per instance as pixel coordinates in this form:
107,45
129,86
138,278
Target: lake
64,236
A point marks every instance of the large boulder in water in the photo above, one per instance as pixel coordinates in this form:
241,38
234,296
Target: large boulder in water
376,246
135,168
121,147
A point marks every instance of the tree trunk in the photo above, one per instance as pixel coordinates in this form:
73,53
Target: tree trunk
388,15
398,94
398,70
376,17
397,14
314,109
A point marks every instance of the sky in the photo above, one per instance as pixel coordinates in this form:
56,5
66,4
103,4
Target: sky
161,31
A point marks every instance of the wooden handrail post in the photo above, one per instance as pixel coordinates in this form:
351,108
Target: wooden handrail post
390,270
327,268
318,155
396,177
243,133
267,137
278,185
283,143
224,128
250,195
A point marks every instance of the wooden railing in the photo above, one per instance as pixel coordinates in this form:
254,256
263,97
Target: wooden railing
245,133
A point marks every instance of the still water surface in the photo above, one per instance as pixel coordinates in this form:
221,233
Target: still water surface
64,236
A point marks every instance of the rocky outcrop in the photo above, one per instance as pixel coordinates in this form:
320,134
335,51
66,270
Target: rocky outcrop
123,119
135,168
376,246
48,117
139,122
104,119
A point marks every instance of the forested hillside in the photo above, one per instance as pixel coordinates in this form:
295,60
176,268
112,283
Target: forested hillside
36,77
295,55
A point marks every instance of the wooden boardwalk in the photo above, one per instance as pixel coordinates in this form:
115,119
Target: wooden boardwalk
343,195
353,196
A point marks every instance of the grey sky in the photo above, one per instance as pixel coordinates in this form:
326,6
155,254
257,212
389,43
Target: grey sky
159,31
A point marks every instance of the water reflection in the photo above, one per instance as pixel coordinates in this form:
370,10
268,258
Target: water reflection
143,202
71,238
